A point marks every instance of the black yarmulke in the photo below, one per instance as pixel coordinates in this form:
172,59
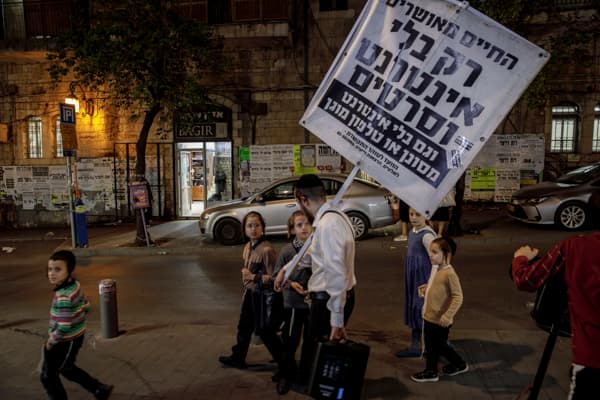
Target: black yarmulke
309,181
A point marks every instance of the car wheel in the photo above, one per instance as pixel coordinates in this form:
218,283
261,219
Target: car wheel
571,216
360,225
228,231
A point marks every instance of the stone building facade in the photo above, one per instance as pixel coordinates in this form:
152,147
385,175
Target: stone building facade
280,50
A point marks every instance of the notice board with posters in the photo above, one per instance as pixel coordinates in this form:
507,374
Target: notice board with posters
506,163
417,89
261,165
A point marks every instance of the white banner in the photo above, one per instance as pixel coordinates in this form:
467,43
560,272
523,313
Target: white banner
417,89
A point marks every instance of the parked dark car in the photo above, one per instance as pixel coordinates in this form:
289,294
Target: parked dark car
365,203
571,202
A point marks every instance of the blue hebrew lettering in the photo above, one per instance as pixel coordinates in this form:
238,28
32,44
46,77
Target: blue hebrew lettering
425,122
362,51
464,105
437,95
474,74
361,78
457,58
512,63
422,55
389,104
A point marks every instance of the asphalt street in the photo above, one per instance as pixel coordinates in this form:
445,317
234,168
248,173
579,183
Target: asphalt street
178,305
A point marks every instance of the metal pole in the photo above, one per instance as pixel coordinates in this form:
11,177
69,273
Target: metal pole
291,266
70,186
546,356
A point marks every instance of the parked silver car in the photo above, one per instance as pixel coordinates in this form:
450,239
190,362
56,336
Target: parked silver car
571,202
364,202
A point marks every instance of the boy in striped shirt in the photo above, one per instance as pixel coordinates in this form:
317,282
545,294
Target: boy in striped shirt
66,331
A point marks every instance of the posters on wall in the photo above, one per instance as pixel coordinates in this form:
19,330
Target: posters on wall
261,165
45,187
506,163
417,89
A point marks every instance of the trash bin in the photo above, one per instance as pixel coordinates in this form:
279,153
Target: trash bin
79,218
109,323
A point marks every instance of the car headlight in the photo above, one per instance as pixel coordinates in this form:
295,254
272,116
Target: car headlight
538,200
204,217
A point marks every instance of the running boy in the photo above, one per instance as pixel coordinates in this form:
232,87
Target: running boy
66,332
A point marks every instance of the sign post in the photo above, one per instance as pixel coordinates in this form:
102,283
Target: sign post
69,141
417,89
140,199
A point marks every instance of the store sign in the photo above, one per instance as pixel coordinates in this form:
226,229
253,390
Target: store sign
416,91
203,125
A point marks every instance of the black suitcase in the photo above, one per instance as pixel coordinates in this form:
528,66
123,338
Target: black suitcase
338,370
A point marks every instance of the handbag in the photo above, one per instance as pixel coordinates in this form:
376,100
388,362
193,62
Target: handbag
338,370
267,307
551,307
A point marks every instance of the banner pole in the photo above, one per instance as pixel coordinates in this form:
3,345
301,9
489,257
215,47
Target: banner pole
70,186
291,266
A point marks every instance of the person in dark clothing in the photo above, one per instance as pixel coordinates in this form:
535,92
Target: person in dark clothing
257,275
294,297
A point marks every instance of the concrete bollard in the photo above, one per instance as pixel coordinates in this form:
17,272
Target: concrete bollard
109,323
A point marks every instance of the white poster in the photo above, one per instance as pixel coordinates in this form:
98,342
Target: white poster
417,89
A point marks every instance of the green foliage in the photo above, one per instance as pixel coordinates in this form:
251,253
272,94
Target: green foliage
140,53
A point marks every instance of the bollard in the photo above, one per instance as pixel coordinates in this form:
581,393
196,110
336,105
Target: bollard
109,324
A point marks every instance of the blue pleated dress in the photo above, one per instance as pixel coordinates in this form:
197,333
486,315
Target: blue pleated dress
416,273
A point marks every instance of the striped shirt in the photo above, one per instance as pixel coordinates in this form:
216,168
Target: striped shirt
67,313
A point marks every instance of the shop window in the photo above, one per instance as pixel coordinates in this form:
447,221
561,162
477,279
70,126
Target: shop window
333,5
565,121
58,142
34,137
596,136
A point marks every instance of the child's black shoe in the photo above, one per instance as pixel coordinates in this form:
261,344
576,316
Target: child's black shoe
103,392
425,376
452,370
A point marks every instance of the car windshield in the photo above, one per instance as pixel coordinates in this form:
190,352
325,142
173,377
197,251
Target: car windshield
580,175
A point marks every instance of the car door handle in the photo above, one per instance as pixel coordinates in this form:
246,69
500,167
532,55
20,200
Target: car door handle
290,205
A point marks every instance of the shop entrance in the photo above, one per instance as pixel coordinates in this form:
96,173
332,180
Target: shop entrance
204,172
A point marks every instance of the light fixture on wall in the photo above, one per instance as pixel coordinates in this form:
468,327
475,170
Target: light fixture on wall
73,101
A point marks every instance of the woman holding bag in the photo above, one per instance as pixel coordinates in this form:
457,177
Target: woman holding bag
261,306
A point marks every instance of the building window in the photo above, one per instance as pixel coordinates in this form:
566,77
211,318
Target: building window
34,137
565,119
259,10
58,140
333,5
596,136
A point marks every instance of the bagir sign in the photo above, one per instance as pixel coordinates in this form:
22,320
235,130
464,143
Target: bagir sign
417,89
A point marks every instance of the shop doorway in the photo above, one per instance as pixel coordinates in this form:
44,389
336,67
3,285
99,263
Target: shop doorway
204,172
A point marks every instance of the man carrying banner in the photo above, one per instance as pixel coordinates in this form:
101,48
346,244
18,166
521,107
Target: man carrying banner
331,285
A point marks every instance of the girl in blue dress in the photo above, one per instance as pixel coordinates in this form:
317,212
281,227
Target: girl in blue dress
416,274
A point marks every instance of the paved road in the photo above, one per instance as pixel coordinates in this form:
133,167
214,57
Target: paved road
178,312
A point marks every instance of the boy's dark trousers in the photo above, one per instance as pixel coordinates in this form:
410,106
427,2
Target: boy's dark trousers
60,359
294,320
244,333
436,345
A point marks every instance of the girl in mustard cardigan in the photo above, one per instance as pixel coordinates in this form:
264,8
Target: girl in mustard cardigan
443,298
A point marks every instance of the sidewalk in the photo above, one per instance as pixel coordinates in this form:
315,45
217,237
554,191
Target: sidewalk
488,224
